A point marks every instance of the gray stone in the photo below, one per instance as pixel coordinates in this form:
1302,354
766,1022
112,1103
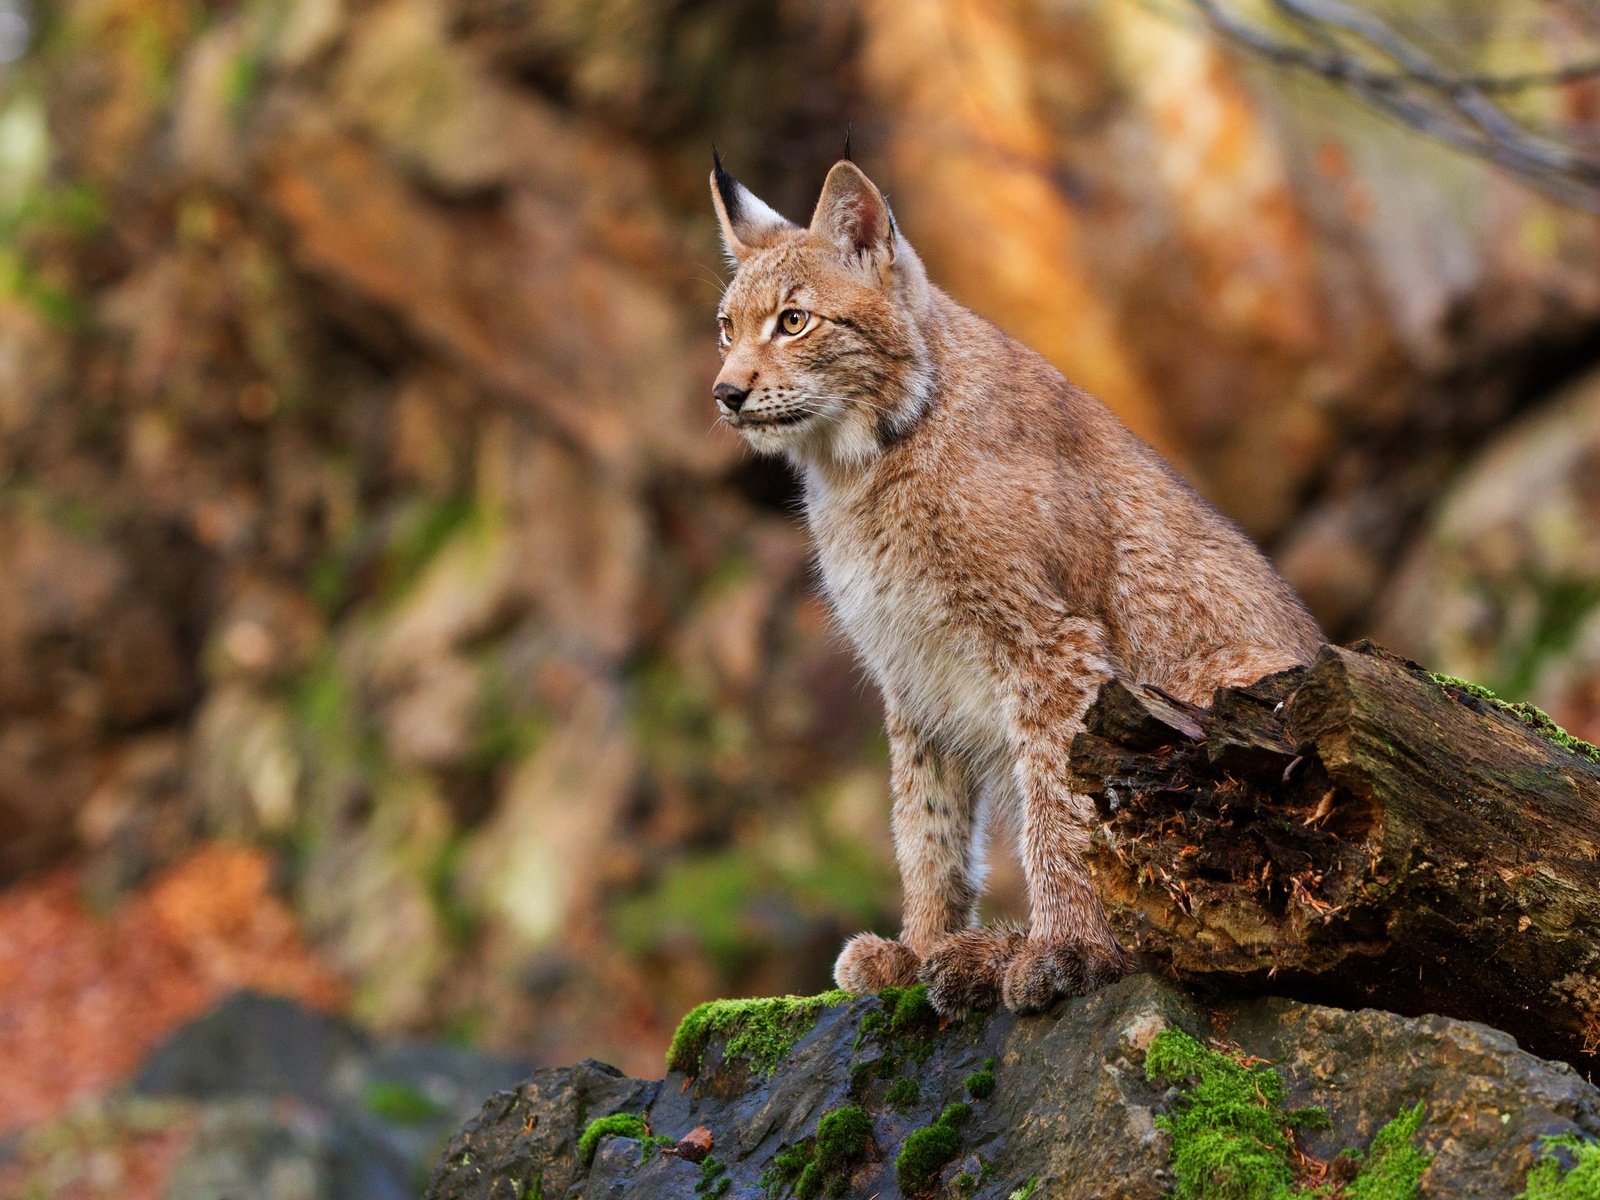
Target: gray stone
252,1045
298,1104
1072,1105
246,1150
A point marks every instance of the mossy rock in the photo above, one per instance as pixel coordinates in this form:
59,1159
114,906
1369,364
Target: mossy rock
1233,1137
1078,1099
823,1163
761,1032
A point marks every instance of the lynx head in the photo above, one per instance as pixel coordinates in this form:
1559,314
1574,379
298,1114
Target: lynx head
823,356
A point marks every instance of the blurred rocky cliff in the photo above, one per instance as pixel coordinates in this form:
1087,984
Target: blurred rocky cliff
360,496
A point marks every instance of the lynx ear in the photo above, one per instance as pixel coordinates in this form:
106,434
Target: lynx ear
748,225
853,215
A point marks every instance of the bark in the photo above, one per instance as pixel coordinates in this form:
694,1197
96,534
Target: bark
1357,833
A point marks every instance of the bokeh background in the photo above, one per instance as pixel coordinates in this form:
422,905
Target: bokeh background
385,623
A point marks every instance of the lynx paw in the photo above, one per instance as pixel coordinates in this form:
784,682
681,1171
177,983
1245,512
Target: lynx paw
1042,972
965,970
869,963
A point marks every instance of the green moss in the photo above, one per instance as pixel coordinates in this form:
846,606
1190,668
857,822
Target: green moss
337,733
908,1011
629,1125
679,723
714,1178
787,1166
653,1141
534,1190
1394,1166
843,1136
904,1023
1026,1190
1553,1179
1228,1136
926,1151
1231,1132
824,1161
459,920
398,1103
34,218
863,1073
980,1084
69,514
923,1155
73,209
903,1093
761,1031
1312,1116
1534,718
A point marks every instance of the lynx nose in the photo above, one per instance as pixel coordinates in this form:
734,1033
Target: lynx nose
731,394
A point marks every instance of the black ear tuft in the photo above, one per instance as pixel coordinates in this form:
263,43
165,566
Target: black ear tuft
847,157
727,186
748,225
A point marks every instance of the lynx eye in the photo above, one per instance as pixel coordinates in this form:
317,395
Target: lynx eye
792,320
724,331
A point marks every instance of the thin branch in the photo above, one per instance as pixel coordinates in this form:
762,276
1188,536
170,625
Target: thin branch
1412,88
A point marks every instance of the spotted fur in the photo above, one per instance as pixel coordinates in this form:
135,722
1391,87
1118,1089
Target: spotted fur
996,544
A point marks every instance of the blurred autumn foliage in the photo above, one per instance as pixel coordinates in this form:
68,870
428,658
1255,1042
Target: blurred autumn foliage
359,501
86,996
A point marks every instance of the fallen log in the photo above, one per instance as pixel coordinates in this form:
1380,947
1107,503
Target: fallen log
1356,833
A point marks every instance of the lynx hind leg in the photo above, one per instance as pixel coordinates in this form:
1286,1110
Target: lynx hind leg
1228,666
869,963
1070,948
966,971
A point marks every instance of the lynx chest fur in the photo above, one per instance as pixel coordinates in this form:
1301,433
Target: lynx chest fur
894,605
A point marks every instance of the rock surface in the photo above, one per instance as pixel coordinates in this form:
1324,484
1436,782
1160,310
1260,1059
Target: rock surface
296,1105
1071,1104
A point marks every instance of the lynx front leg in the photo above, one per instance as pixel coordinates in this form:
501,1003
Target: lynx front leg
1070,949
934,837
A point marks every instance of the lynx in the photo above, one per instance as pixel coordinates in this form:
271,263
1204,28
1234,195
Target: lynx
996,544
